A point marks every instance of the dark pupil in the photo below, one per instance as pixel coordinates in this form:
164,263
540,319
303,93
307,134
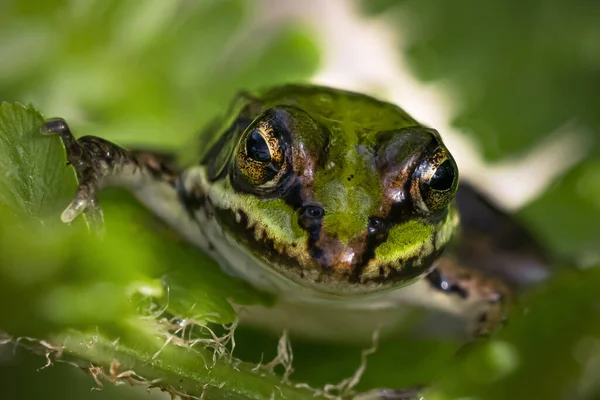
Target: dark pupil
443,178
257,148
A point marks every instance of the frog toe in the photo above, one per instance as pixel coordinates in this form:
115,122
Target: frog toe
58,126
73,210
54,126
80,158
85,202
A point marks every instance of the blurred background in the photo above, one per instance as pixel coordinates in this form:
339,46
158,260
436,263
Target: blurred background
512,87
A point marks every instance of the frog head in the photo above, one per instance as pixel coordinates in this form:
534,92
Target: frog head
336,191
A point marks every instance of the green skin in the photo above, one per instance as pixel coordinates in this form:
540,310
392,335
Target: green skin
314,194
365,163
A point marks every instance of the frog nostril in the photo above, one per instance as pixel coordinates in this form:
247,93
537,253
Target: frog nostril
313,211
377,226
309,217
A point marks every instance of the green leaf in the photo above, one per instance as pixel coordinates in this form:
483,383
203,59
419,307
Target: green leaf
28,188
145,82
60,278
518,72
197,287
145,74
181,370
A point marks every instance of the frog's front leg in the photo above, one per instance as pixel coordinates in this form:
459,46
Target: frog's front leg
482,299
99,163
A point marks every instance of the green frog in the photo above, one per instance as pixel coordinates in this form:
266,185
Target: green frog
339,204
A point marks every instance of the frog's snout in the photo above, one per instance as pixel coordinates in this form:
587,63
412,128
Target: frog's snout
336,256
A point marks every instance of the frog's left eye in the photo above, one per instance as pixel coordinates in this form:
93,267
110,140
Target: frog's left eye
436,180
260,157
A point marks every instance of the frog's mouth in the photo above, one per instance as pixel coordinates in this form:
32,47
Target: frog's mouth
264,237
323,263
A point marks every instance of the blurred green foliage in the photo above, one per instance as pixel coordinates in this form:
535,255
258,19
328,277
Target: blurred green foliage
153,72
145,72
521,69
518,71
150,72
103,299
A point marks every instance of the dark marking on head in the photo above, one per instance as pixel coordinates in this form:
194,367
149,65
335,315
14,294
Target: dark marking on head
377,233
310,219
292,192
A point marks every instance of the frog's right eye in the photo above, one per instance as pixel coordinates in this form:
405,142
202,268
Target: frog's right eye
436,181
260,158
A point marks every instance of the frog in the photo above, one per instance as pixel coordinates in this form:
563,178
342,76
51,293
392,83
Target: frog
342,206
